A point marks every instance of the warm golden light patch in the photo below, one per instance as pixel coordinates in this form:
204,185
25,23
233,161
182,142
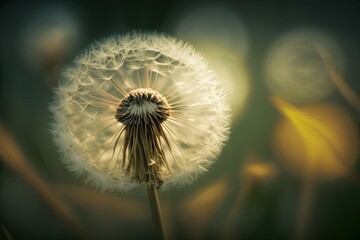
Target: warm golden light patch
202,206
319,141
259,171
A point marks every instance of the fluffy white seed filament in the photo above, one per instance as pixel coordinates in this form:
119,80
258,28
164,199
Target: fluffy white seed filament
142,111
108,105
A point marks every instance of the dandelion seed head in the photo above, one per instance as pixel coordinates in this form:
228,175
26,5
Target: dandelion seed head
142,105
139,109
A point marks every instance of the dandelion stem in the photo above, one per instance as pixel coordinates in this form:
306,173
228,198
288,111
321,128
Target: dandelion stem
156,211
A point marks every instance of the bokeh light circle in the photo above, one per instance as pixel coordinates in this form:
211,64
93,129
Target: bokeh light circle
219,34
295,70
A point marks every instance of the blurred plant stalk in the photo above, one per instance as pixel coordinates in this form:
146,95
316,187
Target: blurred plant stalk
6,234
344,89
126,208
317,143
253,173
13,157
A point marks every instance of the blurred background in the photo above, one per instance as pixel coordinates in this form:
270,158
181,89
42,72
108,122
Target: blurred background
290,169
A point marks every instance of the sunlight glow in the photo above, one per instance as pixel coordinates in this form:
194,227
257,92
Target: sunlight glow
226,48
319,141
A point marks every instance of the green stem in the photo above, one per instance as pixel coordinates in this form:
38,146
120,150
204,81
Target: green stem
156,211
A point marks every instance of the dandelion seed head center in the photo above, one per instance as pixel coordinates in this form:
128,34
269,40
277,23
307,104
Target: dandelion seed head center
143,106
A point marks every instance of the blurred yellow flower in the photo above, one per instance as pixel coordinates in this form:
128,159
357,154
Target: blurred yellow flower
319,141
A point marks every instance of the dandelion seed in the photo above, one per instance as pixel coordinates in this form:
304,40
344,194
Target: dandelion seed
139,109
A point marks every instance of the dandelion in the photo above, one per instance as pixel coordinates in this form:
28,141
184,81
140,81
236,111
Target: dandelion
139,109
